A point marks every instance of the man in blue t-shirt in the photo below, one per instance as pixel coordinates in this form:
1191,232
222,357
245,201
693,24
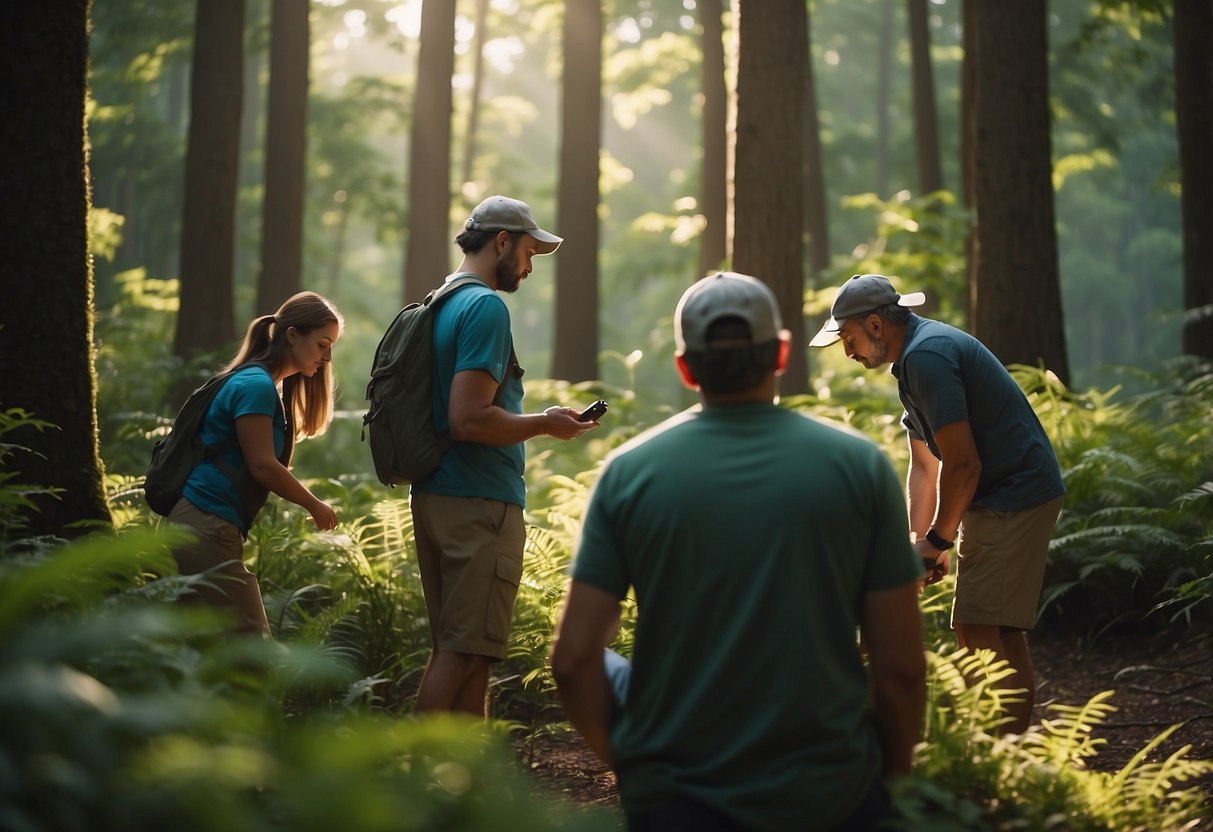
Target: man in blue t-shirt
981,468
758,541
467,516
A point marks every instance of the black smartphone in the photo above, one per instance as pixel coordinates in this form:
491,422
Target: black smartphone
593,413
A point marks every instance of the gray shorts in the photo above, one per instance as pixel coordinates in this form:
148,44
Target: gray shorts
1000,565
469,552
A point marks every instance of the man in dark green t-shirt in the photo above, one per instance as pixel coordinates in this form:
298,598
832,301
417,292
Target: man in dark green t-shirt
757,542
981,467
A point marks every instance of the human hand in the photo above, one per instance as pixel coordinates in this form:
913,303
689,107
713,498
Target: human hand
936,561
564,424
324,516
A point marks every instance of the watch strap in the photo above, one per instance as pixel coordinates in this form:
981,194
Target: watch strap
938,542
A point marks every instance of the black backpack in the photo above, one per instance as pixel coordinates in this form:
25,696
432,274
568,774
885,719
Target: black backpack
175,456
404,446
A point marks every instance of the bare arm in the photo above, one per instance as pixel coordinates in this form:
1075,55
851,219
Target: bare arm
474,417
256,436
922,487
961,469
590,616
892,632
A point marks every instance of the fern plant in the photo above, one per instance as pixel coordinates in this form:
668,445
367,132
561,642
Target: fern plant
967,776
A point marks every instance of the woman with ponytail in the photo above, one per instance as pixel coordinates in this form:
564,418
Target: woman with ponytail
280,390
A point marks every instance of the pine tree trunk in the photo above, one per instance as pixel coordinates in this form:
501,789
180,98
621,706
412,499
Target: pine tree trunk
714,176
1017,296
926,135
206,320
768,201
281,273
427,255
575,357
816,214
1194,111
47,282
884,60
473,123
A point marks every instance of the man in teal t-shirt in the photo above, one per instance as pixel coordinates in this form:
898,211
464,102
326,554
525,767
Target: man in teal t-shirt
758,542
467,516
982,468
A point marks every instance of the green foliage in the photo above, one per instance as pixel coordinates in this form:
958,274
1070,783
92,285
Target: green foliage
15,496
968,777
123,709
919,243
1133,546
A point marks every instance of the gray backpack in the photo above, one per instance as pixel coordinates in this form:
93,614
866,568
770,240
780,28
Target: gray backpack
400,421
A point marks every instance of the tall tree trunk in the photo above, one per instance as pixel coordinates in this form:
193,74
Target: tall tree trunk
248,237
968,131
281,272
206,320
714,175
473,125
816,215
575,356
1016,289
884,60
427,254
1194,111
768,201
926,136
47,281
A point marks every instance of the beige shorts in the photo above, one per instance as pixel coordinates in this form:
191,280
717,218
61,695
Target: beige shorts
1000,565
219,547
469,552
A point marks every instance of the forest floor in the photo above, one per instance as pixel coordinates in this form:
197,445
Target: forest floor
1158,682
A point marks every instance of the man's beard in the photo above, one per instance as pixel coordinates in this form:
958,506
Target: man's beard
880,352
508,279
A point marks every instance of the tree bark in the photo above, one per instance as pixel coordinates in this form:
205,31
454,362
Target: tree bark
47,281
816,214
575,357
1017,309
926,135
714,175
281,273
884,60
1194,111
206,320
473,124
427,253
768,201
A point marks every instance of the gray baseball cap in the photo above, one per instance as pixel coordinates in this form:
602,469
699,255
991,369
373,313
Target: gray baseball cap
862,294
724,295
501,213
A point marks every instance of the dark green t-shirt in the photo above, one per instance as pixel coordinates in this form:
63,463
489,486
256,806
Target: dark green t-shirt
945,375
750,534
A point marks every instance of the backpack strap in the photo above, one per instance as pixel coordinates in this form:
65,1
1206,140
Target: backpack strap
448,288
247,489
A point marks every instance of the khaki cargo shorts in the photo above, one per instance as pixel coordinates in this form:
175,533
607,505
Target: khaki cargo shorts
469,552
1000,565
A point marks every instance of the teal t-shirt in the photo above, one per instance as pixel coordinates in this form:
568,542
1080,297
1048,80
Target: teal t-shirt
250,391
944,375
472,332
750,535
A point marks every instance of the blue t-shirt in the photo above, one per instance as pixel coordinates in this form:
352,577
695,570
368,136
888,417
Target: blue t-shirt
472,332
250,391
945,375
751,535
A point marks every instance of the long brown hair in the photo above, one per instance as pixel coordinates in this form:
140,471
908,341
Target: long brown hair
309,401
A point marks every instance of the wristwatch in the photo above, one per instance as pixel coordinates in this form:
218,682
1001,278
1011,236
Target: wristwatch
938,542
